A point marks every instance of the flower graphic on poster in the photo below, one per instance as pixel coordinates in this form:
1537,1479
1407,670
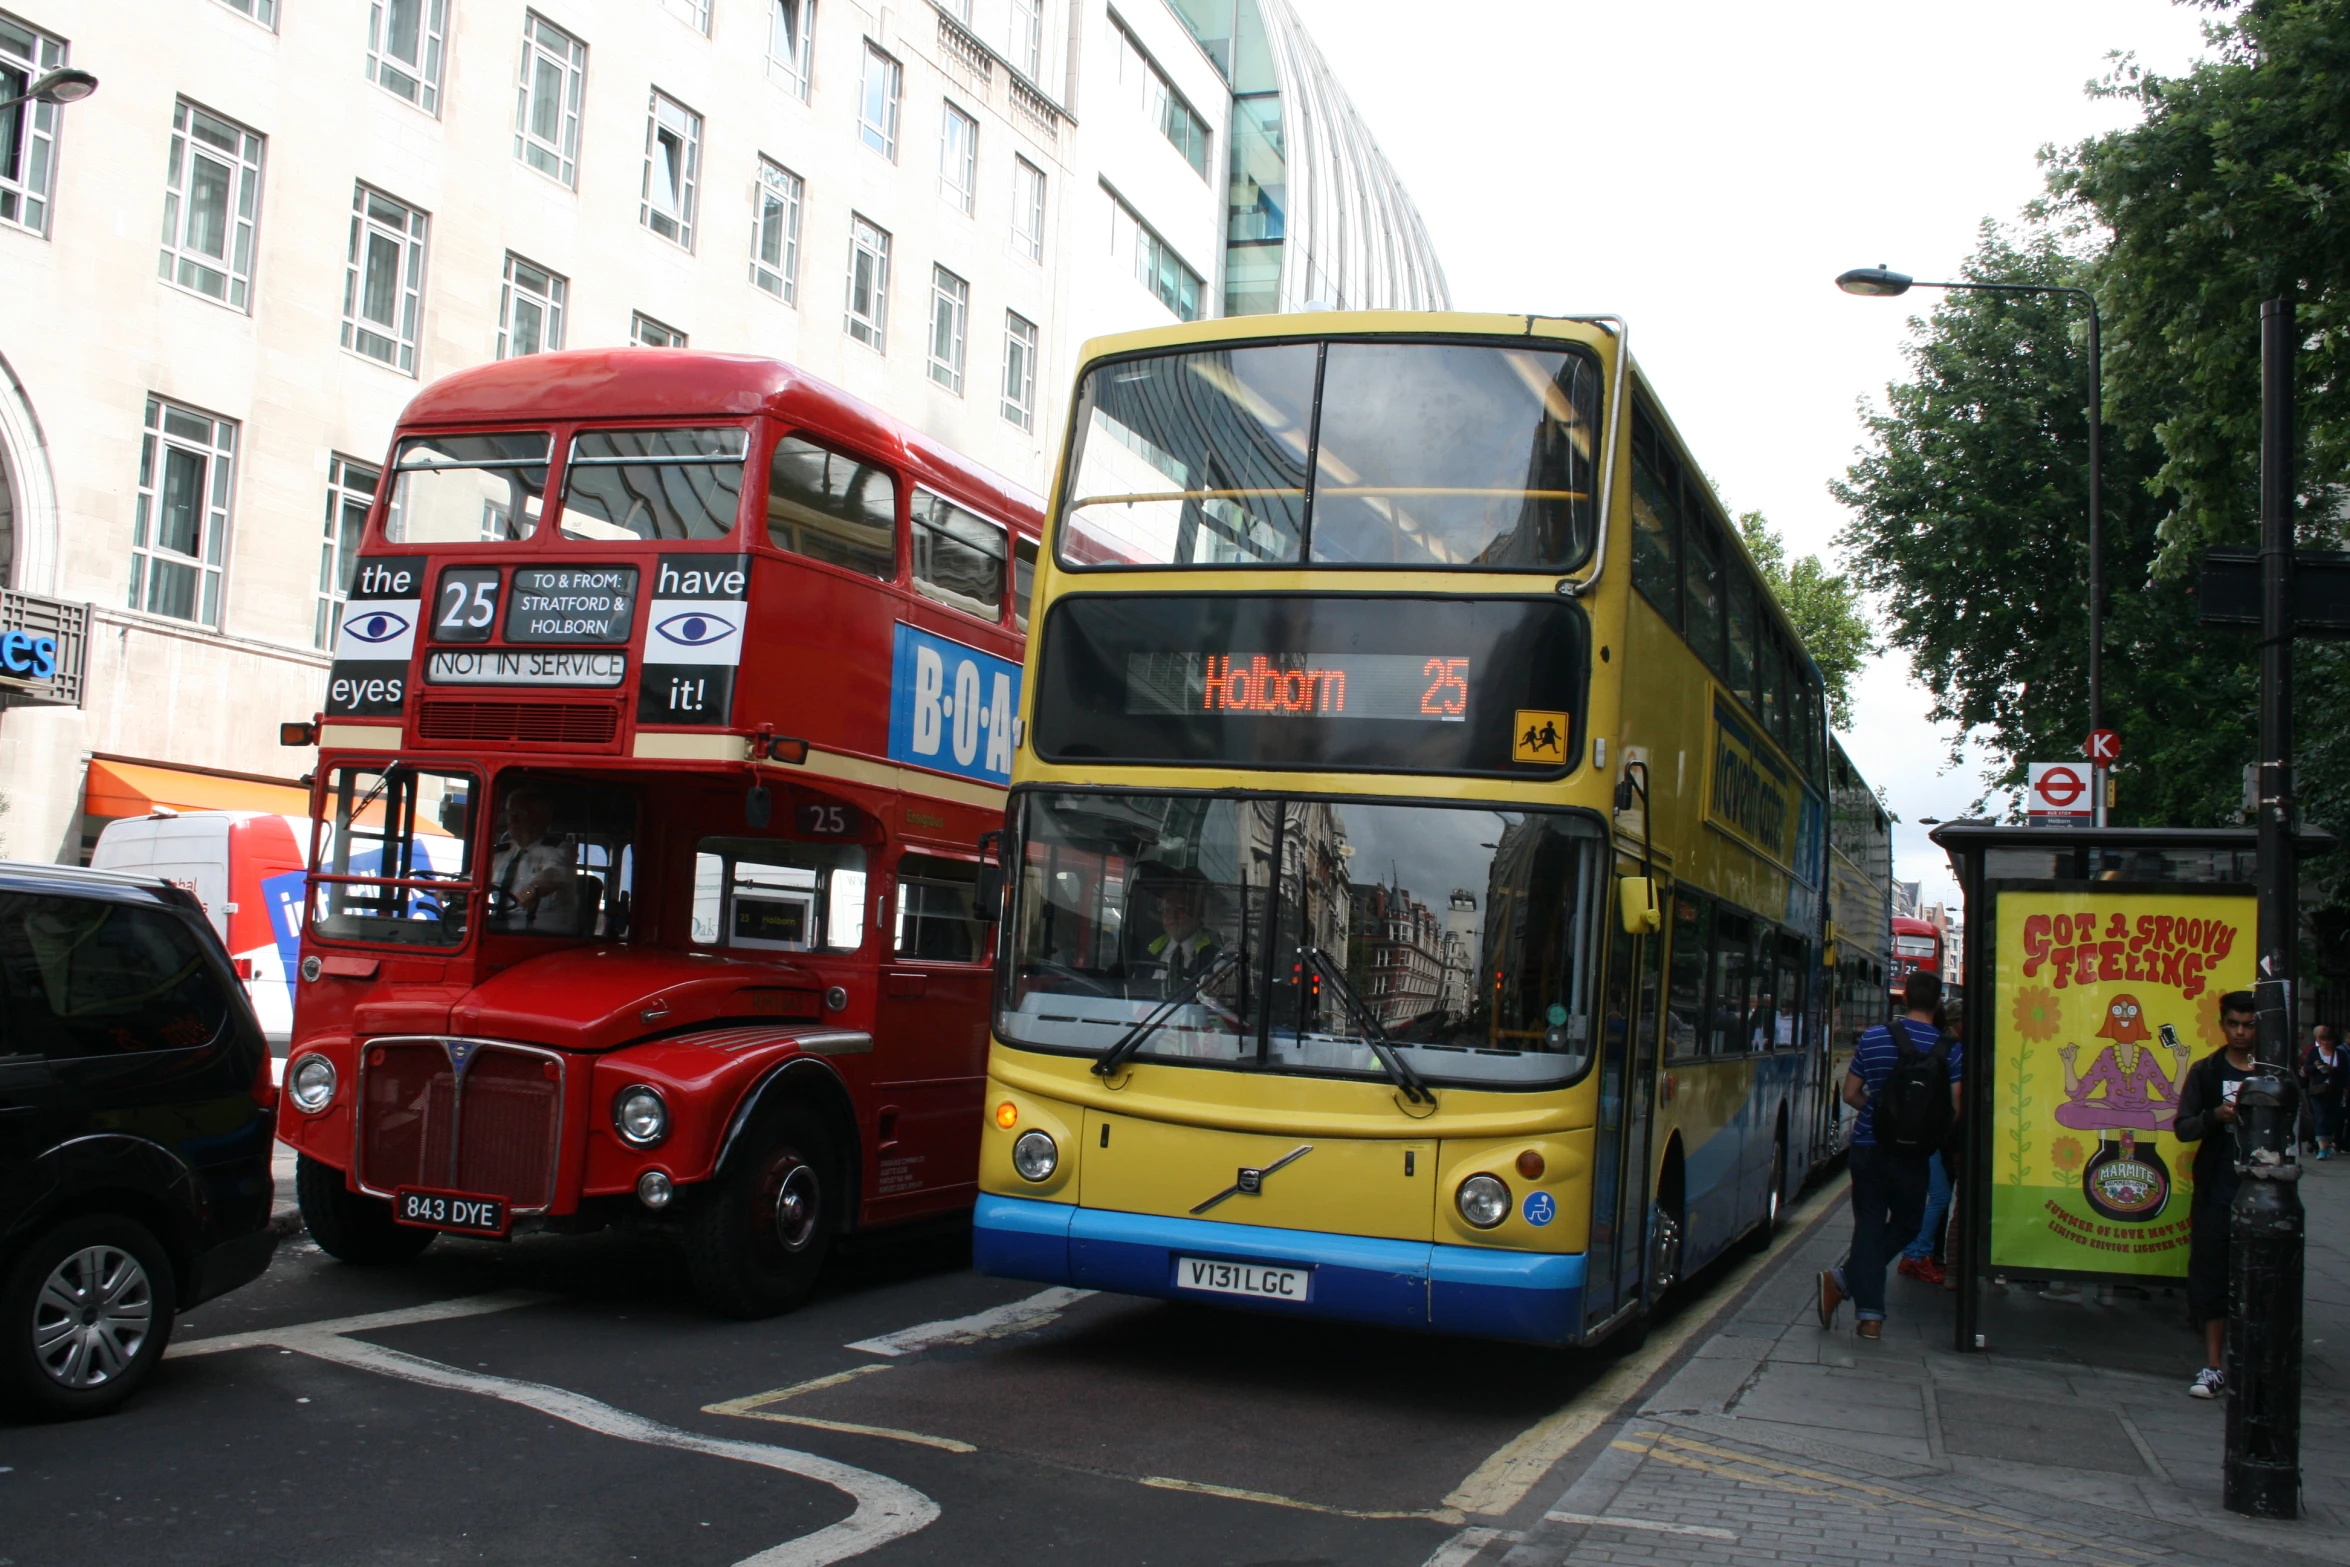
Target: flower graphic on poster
2066,1154
2038,1014
2207,1020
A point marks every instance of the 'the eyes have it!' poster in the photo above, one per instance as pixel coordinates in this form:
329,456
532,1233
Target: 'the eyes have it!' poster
2100,1003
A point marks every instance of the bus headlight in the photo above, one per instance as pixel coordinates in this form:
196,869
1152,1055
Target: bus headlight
311,1084
640,1116
1036,1156
1483,1200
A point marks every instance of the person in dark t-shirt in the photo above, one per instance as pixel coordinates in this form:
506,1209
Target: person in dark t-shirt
2207,1116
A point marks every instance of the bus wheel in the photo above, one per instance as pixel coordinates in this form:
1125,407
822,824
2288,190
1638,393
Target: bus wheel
348,1226
1758,1239
756,1240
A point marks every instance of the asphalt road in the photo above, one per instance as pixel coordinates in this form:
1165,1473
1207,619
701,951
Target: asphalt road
564,1399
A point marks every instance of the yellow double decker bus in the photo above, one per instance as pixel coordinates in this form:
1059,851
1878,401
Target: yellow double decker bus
1415,865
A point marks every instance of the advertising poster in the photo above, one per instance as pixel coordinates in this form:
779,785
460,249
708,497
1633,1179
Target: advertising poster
2100,1003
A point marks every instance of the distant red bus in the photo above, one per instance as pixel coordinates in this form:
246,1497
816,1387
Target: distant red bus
1916,945
672,700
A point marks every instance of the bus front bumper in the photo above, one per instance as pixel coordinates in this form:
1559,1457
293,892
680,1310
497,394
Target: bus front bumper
1531,1297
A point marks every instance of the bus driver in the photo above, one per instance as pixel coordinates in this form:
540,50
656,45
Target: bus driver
1186,946
532,886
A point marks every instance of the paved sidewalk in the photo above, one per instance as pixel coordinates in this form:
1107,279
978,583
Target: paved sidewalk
2071,1440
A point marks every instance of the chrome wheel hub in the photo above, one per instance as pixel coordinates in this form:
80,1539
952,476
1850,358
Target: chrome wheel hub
93,1313
797,1208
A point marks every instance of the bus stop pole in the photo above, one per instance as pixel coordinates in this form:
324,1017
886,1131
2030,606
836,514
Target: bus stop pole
2262,1469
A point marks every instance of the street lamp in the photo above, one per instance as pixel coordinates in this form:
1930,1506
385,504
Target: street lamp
1880,282
64,85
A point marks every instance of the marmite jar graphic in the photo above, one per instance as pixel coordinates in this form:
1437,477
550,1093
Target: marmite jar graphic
2124,1181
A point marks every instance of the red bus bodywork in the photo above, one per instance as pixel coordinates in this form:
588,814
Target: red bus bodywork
1916,945
490,1060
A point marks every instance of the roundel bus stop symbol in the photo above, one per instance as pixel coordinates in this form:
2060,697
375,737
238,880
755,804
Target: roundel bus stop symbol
2060,786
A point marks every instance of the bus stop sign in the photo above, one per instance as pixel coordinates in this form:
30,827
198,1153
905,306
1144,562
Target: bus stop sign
2057,794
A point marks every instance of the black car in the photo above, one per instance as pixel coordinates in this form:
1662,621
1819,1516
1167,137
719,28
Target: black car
136,1116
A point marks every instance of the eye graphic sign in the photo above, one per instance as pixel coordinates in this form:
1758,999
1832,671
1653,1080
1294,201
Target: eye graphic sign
951,707
2100,1003
694,622
370,674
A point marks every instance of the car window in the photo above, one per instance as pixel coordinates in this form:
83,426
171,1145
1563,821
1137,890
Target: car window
88,978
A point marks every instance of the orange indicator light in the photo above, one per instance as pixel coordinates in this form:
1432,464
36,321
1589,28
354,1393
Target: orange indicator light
1530,1165
1007,1115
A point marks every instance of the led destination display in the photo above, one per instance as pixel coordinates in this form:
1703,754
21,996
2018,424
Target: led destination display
1329,685
1355,682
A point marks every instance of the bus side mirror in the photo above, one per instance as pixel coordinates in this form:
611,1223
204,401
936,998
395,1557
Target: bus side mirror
987,892
1637,897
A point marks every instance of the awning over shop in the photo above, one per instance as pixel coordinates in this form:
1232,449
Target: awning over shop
120,788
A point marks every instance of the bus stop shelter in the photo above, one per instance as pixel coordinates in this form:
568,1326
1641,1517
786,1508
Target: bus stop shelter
2094,960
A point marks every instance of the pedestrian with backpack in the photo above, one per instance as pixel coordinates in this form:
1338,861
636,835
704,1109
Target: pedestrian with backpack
1904,1082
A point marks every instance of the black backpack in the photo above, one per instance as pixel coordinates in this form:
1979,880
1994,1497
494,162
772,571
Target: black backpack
1913,1112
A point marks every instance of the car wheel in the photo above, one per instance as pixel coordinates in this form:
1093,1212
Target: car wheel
350,1226
85,1313
757,1236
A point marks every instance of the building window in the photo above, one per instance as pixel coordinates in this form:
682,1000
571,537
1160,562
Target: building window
1025,41
694,13
791,45
1156,266
673,166
958,158
385,284
645,332
877,104
775,232
404,49
950,318
868,316
1166,108
1028,209
180,533
213,185
530,309
1020,371
350,490
28,132
262,11
546,115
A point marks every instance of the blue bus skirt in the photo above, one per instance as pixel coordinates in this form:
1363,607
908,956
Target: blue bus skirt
1531,1297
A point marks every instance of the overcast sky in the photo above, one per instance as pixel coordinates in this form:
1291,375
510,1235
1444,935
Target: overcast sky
1706,170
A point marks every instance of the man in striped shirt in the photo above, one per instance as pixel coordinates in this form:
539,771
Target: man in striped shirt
1888,1188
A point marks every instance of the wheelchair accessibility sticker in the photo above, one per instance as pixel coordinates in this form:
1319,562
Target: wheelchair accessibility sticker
1540,1209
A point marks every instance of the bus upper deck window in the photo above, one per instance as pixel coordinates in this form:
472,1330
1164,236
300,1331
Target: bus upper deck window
958,558
468,489
682,484
833,508
1443,455
1023,579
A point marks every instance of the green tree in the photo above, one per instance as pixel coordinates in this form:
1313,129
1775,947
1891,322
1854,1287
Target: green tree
1824,607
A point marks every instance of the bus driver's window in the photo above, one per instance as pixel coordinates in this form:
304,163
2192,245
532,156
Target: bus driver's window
562,860
773,895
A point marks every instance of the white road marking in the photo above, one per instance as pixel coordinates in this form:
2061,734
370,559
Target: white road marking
995,1322
435,1311
1463,1547
1502,1481
1694,1530
886,1510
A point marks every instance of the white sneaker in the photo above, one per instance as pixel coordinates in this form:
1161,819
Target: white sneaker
2208,1383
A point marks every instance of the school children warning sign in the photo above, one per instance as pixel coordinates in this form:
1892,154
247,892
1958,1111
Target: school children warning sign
2100,1002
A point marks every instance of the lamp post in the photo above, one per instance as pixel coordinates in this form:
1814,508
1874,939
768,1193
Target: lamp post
64,85
1882,283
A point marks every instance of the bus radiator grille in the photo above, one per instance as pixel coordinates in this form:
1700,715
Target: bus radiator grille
506,1129
494,1138
569,723
407,1117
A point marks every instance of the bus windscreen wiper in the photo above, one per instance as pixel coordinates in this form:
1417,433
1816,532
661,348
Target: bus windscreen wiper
1399,1071
1156,1019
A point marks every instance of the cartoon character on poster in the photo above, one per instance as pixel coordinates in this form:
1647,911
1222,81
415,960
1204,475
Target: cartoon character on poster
2096,995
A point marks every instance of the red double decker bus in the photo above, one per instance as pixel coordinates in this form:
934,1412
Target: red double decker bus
673,698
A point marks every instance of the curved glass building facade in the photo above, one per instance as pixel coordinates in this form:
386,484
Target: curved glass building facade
1316,214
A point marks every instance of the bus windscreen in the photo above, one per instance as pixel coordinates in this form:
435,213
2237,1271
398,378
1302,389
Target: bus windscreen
1355,683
